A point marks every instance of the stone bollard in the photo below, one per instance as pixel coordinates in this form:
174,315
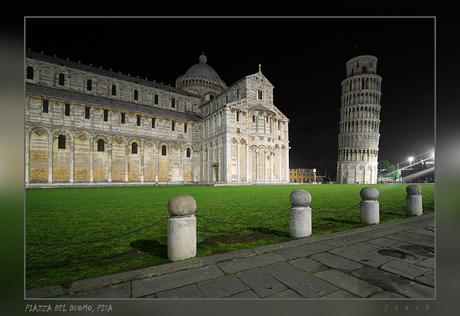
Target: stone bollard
300,214
181,227
414,200
370,213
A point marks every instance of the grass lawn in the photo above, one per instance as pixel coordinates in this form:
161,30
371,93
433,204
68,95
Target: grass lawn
68,215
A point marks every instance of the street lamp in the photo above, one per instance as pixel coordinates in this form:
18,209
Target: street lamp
411,159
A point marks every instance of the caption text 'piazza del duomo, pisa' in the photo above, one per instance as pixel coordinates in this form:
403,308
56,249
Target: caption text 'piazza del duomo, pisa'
90,126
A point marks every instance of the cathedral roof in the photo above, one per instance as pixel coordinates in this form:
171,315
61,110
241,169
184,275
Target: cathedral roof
74,96
103,72
202,69
260,107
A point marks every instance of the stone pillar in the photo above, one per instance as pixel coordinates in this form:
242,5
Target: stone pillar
370,206
414,200
181,227
50,157
300,214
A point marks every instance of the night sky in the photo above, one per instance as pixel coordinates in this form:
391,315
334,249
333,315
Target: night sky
304,58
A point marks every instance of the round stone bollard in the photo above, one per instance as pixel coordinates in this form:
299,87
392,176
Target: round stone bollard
181,227
370,208
414,203
300,214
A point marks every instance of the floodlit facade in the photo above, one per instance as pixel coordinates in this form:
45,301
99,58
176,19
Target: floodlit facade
359,122
304,175
88,126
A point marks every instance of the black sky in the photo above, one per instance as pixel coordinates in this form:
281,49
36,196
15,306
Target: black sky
304,58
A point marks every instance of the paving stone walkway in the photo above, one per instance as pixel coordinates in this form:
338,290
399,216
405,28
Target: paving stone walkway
389,260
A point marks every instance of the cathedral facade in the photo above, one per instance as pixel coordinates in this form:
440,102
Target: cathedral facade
89,126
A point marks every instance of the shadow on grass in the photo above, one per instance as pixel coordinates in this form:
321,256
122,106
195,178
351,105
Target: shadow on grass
267,231
340,221
153,247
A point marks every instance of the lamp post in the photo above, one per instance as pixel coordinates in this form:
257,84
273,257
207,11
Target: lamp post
410,163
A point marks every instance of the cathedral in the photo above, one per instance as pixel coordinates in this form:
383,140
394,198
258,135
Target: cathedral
87,126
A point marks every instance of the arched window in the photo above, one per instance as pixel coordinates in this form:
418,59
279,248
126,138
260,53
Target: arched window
89,85
100,145
45,104
134,148
189,153
136,95
61,79
114,89
364,70
30,72
61,142
163,150
156,99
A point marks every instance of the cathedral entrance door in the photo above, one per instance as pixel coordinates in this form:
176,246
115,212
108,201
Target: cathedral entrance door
175,174
215,167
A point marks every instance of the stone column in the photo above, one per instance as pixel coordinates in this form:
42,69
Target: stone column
414,200
72,158
142,160
181,227
91,159
300,214
50,157
26,158
126,161
110,159
370,206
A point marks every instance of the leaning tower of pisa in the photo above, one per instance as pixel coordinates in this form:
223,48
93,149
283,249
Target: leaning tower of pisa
359,122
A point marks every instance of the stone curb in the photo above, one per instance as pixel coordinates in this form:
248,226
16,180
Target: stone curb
108,280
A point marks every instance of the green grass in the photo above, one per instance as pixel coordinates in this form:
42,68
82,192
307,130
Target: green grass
81,214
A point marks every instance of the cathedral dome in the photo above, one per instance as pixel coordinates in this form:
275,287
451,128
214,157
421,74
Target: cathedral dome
202,80
202,69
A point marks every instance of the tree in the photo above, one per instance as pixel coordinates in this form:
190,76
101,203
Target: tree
385,168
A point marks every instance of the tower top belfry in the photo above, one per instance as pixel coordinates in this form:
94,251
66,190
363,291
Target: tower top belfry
365,64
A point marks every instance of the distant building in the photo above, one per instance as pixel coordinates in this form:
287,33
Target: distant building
359,122
304,175
85,125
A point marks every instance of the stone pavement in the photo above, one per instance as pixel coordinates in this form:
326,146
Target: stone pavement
389,260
